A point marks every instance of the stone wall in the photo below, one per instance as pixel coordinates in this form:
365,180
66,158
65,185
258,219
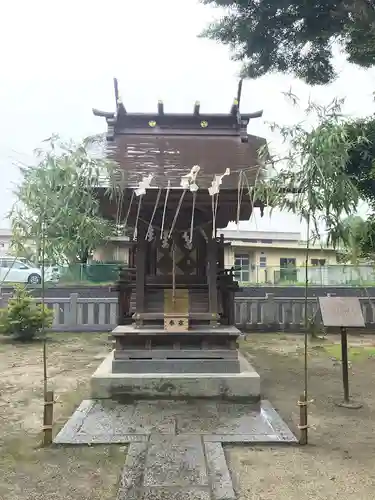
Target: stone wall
267,313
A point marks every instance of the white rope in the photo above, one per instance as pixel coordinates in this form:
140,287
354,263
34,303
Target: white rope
214,214
153,213
136,219
118,201
176,230
177,212
165,207
128,212
214,190
239,198
192,217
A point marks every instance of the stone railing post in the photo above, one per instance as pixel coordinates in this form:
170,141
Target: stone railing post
73,309
270,316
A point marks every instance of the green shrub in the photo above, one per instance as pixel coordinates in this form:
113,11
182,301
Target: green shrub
23,318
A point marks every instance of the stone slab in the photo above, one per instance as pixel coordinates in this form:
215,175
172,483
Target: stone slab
166,468
168,494
194,330
273,419
68,433
152,417
253,439
214,421
244,385
175,353
222,488
179,366
175,461
225,418
132,474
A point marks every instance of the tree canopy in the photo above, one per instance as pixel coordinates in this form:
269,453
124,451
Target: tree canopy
295,36
311,179
361,169
58,195
361,163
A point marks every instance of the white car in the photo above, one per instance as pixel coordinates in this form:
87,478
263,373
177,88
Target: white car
15,271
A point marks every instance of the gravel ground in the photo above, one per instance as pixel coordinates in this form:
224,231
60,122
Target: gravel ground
339,460
27,471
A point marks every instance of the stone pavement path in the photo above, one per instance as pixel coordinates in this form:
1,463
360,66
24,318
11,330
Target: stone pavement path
176,468
175,447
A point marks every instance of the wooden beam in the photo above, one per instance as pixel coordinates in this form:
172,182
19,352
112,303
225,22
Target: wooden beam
103,114
256,114
115,85
160,108
239,92
197,106
234,108
119,104
140,260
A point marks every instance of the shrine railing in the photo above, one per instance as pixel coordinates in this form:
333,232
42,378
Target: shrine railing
75,313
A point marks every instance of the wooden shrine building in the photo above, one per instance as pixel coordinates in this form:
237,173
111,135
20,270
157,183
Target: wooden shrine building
180,178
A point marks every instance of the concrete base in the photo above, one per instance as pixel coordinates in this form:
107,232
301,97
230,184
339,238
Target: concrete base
244,385
176,366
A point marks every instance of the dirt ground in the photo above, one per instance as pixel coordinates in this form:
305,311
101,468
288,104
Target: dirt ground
338,462
27,471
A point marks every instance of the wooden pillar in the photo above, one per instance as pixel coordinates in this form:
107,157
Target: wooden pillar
230,308
132,250
221,252
212,279
140,260
201,247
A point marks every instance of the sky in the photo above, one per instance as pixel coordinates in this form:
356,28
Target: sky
58,60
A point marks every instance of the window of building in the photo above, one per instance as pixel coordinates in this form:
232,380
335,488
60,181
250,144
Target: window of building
288,270
318,262
266,241
242,267
262,261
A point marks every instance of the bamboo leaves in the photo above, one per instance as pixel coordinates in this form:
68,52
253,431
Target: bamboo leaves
311,179
61,190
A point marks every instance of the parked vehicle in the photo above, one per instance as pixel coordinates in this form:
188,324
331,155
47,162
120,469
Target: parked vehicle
21,271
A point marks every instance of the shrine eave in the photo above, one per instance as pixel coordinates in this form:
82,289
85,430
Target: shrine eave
111,115
159,122
207,124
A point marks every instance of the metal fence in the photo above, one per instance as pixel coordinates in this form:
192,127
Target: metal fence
329,275
332,275
93,273
78,314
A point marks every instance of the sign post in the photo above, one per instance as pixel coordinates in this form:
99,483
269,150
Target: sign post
343,312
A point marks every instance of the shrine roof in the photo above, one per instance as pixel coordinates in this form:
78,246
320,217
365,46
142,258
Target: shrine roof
168,145
169,158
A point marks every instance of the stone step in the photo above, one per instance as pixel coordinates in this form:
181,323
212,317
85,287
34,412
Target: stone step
175,468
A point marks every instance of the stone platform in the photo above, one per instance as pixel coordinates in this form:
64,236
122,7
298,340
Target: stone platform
107,421
243,385
175,447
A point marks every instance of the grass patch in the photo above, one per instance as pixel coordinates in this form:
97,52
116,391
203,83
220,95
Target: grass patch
354,353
